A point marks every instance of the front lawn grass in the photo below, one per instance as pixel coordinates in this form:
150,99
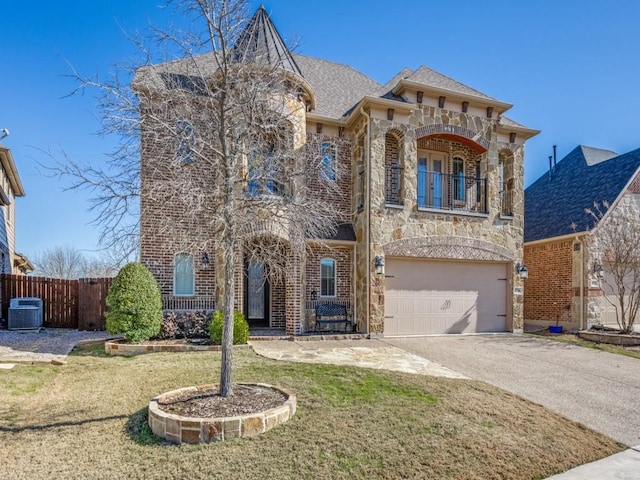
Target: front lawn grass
87,420
575,340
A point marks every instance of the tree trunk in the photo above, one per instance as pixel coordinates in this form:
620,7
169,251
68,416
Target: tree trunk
226,368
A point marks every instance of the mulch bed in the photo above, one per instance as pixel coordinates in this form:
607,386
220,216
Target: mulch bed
246,399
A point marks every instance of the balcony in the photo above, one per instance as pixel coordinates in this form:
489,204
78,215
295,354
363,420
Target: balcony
441,191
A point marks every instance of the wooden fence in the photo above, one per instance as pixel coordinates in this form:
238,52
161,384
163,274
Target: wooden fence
77,304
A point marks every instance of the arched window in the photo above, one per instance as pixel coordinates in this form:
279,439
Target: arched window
327,277
506,182
458,180
328,166
185,141
393,169
183,275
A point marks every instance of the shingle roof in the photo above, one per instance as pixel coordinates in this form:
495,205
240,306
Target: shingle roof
552,206
430,77
338,88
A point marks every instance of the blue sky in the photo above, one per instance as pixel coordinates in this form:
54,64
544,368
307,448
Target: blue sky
569,67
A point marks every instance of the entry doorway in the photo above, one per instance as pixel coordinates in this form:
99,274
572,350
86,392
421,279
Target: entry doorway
256,295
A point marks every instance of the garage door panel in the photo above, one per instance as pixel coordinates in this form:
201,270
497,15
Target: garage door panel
431,297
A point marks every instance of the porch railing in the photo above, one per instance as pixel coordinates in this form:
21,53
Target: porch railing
170,302
443,191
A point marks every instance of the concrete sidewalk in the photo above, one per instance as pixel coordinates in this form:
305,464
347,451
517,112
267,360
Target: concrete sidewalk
622,466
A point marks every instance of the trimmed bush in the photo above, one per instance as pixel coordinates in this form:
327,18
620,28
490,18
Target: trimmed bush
240,328
134,304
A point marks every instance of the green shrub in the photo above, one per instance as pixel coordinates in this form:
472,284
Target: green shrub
240,328
134,304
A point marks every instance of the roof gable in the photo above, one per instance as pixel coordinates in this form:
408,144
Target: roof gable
554,206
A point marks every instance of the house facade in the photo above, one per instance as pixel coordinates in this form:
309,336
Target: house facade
10,188
569,280
430,175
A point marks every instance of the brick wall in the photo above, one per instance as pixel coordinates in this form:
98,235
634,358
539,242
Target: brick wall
342,200
548,292
344,265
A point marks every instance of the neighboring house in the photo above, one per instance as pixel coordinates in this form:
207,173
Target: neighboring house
565,270
434,191
10,187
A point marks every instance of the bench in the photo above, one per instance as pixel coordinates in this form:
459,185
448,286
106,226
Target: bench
330,313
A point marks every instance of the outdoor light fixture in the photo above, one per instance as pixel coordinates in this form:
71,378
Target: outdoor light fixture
522,271
205,262
598,271
314,296
378,262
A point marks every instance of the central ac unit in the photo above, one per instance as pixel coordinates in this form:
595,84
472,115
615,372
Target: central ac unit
25,313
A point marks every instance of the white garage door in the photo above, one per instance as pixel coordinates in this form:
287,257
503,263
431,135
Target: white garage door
612,300
430,297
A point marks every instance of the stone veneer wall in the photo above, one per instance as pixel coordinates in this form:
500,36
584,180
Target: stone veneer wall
392,224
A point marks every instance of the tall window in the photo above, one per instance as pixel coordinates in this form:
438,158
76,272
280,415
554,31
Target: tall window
261,173
328,153
327,277
458,179
185,141
183,275
393,170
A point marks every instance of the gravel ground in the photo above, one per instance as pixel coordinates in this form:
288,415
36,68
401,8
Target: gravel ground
44,345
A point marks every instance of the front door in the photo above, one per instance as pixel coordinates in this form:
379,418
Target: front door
256,301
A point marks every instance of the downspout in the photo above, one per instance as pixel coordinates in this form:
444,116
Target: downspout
581,283
368,217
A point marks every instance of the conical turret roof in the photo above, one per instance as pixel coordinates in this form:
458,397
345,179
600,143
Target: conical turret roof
261,43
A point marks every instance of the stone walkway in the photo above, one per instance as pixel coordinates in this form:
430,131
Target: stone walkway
359,353
46,346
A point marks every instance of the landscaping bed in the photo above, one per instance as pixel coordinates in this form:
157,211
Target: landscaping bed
88,419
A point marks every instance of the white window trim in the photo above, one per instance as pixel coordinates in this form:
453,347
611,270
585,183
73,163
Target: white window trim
193,269
335,278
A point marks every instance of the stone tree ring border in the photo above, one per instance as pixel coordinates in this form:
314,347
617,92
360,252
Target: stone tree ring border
453,248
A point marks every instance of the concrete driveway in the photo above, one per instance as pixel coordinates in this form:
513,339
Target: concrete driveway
598,389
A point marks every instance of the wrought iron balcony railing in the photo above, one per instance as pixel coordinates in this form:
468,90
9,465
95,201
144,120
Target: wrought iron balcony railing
443,191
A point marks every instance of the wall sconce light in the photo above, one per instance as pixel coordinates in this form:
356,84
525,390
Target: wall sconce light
378,262
465,107
598,271
522,271
419,96
441,101
489,112
204,267
314,296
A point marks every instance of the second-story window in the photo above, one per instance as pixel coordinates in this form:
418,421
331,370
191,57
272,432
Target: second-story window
327,277
393,169
185,141
261,177
328,166
458,181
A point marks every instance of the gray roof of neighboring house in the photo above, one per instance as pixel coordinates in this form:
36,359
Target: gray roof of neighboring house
553,206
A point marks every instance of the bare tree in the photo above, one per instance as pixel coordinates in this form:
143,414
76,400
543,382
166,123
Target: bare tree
615,241
221,129
69,262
